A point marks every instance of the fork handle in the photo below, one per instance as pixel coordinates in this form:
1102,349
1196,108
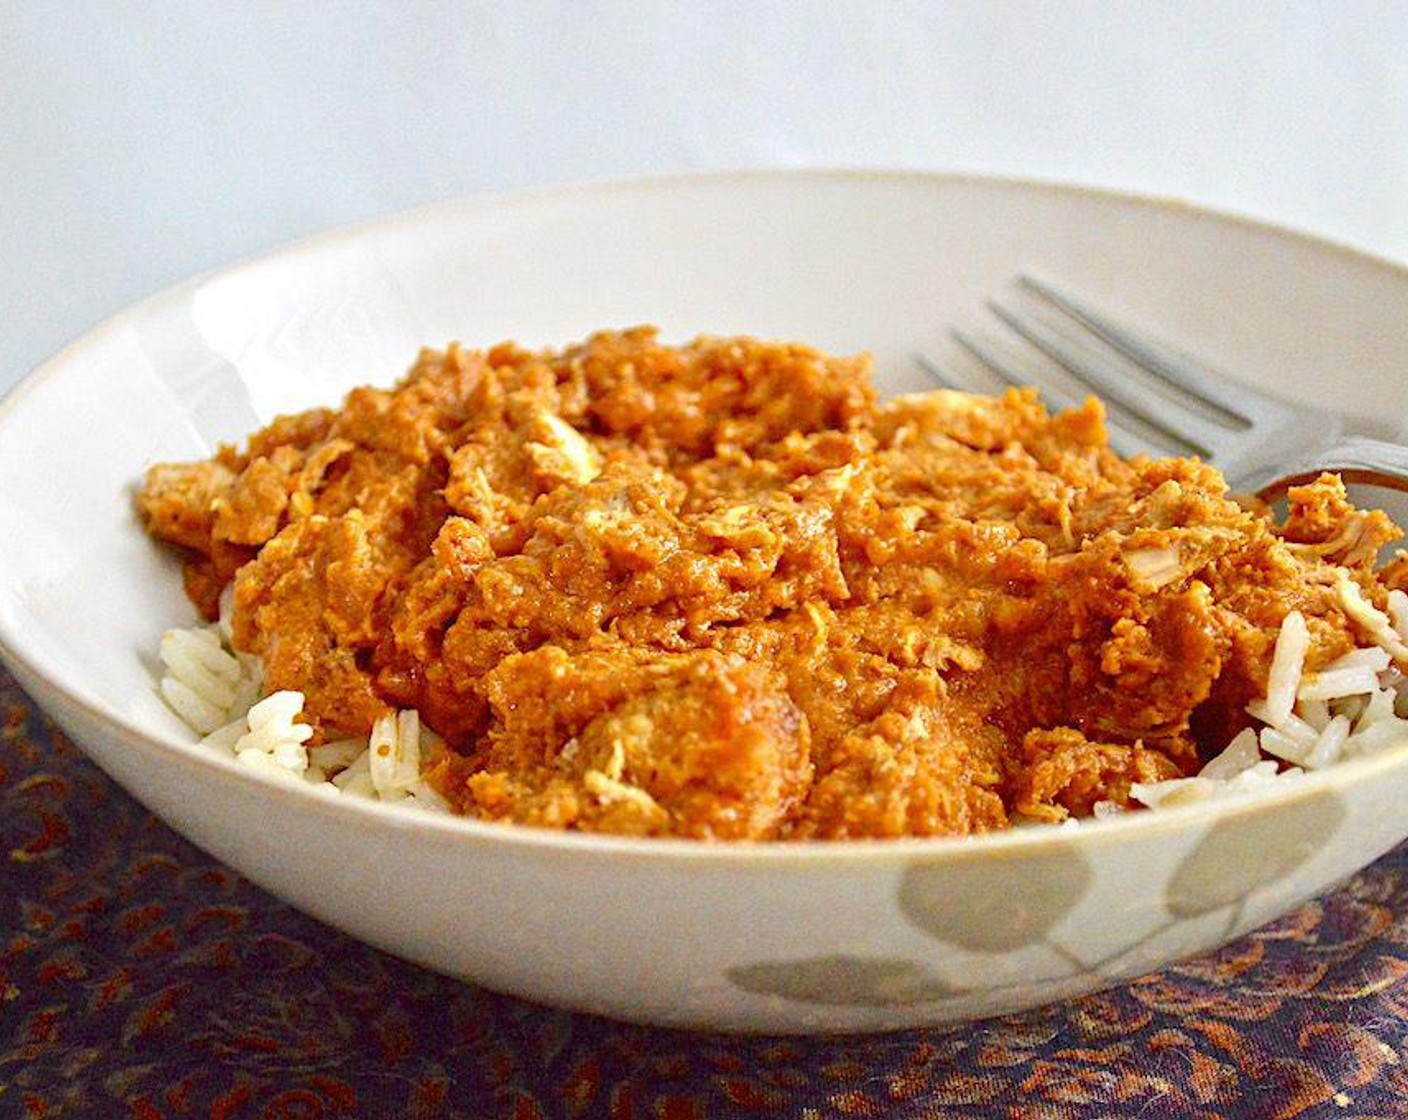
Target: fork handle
1356,459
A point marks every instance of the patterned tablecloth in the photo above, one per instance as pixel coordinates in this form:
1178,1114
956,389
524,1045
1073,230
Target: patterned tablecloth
139,978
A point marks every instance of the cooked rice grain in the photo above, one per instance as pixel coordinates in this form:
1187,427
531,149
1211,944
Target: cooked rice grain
206,683
216,691
1349,709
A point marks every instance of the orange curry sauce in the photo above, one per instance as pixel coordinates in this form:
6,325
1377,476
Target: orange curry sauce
720,591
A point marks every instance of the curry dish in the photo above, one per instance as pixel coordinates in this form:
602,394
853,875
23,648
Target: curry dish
722,591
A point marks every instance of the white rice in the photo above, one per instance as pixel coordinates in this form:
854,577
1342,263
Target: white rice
1352,707
1355,706
216,691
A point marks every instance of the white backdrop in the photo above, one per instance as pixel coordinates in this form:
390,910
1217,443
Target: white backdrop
142,142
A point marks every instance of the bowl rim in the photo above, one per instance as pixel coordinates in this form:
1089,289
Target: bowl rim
813,854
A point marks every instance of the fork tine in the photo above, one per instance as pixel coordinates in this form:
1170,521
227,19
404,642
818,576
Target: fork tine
938,373
1008,368
1149,406
1171,367
1129,432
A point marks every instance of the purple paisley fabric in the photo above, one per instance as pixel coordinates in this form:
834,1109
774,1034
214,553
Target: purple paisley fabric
139,978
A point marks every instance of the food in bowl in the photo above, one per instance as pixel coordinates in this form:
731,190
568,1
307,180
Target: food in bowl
722,591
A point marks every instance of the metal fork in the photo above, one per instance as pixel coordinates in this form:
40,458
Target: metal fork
1164,401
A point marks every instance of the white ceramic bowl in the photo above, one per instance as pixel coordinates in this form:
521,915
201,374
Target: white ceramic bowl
771,938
